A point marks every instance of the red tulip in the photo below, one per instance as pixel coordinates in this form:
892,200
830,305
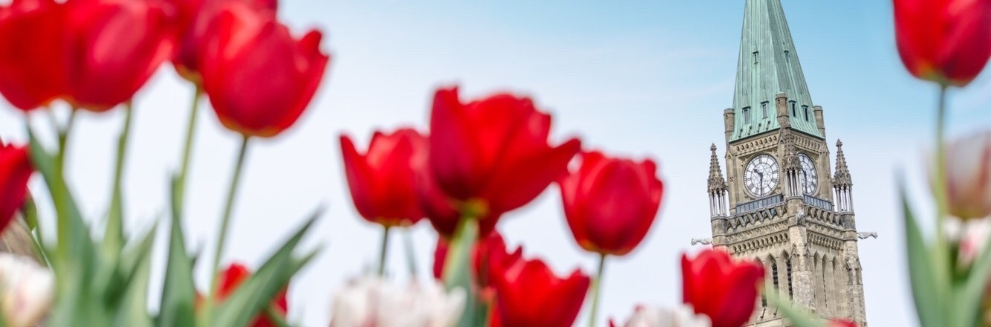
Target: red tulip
31,35
113,47
946,41
383,180
720,288
491,155
489,258
530,294
193,22
15,170
841,323
259,79
236,274
611,203
440,211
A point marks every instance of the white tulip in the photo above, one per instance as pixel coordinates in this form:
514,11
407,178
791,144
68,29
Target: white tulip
680,316
26,290
371,302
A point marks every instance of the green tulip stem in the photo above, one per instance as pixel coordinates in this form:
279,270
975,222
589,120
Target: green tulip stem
225,222
115,230
941,255
60,198
457,267
410,252
596,290
383,250
188,149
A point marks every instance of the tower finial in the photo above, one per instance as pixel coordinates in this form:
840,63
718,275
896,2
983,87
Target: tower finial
716,181
842,176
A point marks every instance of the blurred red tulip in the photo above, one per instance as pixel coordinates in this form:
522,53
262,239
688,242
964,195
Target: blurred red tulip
529,294
15,170
968,176
724,290
236,274
946,41
611,203
31,37
259,79
383,181
489,257
440,211
194,19
113,47
841,323
491,155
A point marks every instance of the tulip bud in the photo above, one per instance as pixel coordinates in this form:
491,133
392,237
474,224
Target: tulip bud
720,287
27,290
968,176
679,316
610,203
370,301
948,41
15,171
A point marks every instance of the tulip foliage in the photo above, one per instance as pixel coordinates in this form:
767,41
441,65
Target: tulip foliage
95,55
476,161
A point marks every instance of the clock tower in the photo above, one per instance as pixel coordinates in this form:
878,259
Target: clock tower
780,203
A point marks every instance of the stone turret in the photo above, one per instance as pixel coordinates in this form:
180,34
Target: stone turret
842,182
717,187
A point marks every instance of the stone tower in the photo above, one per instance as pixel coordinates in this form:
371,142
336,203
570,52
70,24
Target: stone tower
780,204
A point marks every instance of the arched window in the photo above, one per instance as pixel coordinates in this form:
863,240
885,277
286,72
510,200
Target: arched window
774,273
788,265
763,297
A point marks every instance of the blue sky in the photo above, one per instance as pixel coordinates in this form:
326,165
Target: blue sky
631,79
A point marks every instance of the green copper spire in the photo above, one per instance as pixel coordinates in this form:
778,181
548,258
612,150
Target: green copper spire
768,65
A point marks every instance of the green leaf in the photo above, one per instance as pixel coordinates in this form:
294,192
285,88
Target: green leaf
113,236
924,285
75,258
179,292
254,294
968,295
132,309
76,247
457,269
799,317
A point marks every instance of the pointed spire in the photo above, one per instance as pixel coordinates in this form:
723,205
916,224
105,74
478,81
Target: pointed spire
716,181
768,65
842,176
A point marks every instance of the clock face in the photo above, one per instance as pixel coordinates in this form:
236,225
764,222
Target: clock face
761,175
808,178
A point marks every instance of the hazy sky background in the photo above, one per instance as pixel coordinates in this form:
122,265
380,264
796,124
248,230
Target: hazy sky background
631,79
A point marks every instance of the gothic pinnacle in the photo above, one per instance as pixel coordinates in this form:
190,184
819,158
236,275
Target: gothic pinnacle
842,176
716,181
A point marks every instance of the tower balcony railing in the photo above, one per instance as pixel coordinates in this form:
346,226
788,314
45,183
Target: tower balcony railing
759,203
817,202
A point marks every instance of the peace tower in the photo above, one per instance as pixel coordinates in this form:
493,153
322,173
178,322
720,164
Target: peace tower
780,203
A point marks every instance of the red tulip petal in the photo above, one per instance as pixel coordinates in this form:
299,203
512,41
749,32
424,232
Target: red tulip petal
517,185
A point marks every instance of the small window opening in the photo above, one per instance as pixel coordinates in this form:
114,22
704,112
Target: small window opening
774,273
746,115
787,56
788,262
763,108
805,109
793,113
755,57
